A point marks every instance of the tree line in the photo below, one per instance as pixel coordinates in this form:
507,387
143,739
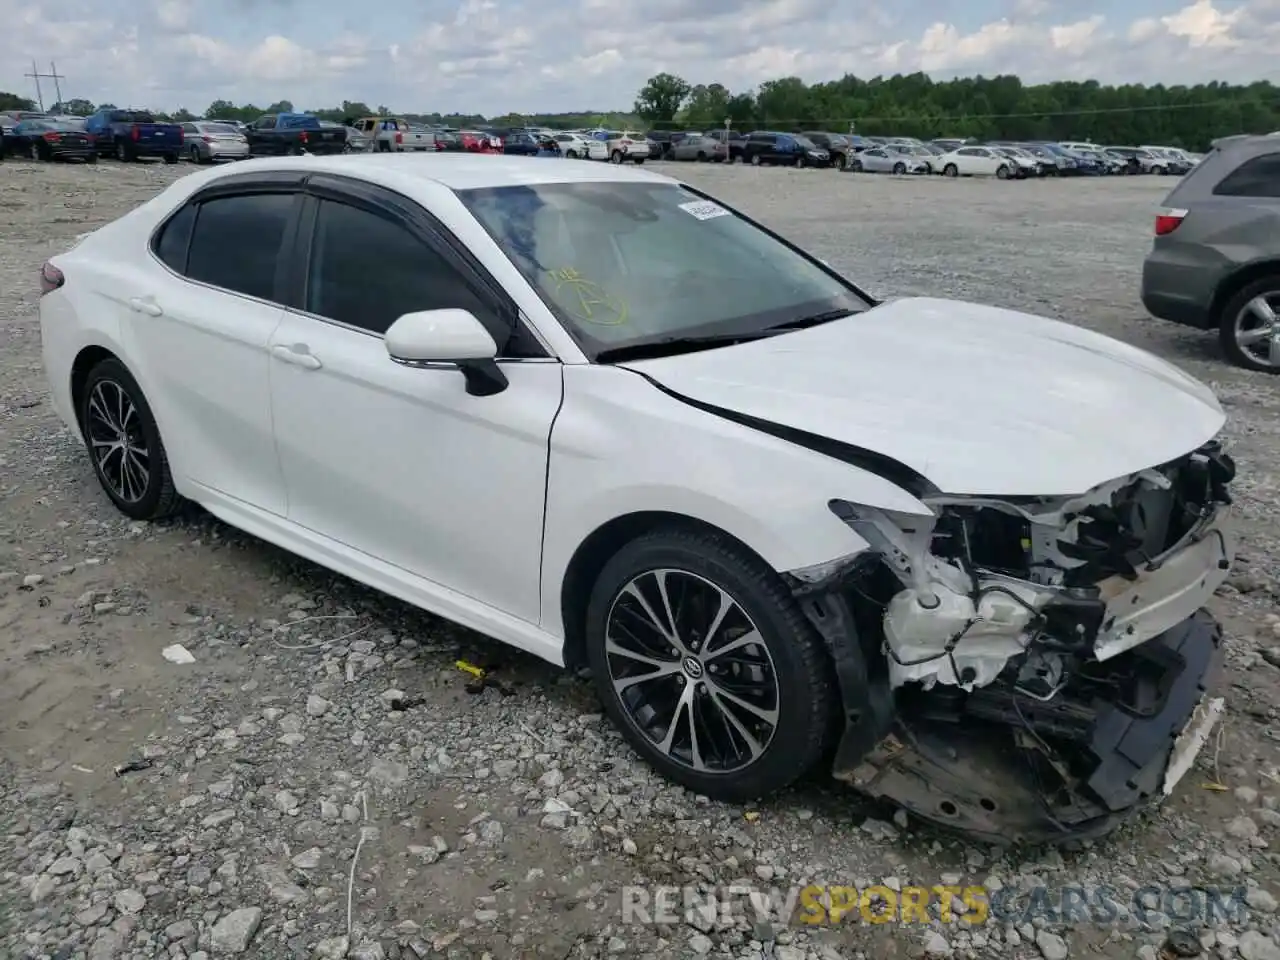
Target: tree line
903,105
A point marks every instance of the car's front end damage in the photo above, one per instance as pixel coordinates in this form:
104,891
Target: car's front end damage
1030,669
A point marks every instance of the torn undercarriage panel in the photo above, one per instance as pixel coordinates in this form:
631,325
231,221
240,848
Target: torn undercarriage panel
1020,669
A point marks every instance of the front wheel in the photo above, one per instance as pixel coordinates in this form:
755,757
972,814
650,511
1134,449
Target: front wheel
707,666
951,170
124,444
855,165
1249,328
755,160
899,168
615,157
1002,172
123,153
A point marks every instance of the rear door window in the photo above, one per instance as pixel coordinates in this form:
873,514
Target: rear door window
237,240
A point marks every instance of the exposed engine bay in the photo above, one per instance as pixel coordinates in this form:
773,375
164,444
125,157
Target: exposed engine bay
1022,668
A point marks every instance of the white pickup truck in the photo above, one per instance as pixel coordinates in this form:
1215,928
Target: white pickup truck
393,135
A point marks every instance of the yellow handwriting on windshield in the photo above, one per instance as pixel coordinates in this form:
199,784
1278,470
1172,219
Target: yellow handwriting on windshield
587,300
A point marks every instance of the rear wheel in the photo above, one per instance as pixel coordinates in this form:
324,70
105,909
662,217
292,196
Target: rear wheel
702,157
615,157
170,158
1249,328
899,168
707,666
572,154
123,153
1002,172
124,444
951,170
195,154
855,165
755,160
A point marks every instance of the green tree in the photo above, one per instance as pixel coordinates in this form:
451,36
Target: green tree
660,99
11,101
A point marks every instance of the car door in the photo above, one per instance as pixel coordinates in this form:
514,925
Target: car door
876,160
400,462
201,317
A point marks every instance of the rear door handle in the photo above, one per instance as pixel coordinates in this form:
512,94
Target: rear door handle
147,306
297,354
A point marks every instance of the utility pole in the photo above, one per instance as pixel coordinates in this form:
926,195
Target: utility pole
53,75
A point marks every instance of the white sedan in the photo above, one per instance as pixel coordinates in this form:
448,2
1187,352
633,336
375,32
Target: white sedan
594,414
575,146
975,162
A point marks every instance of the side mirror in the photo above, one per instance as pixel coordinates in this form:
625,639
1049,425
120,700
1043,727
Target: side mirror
449,336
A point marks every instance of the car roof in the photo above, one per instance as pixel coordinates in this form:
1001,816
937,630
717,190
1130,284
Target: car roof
456,171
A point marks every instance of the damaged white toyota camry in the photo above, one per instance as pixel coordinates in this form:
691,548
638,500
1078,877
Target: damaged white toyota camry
955,554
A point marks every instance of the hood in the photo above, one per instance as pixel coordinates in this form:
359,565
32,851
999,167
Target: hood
978,400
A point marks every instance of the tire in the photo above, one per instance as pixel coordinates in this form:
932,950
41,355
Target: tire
572,154
899,169
1234,311
702,157
951,170
195,155
615,157
1002,172
639,161
842,162
802,693
170,158
159,497
755,160
384,147
855,165
123,153
91,158
33,152
1159,171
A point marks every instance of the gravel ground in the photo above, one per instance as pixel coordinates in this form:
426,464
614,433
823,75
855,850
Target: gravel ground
322,726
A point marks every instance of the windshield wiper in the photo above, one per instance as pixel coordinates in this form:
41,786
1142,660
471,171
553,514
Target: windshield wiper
811,321
669,346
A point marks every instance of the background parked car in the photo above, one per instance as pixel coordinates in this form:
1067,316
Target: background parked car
132,134
284,134
1215,258
885,159
735,141
48,139
519,143
975,162
628,147
574,146
789,149
477,141
838,147
9,120
701,149
208,140
1025,164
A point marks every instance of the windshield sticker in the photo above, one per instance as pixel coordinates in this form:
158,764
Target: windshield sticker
704,210
585,300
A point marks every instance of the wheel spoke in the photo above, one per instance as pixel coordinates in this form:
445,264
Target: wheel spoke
753,745
768,716
1261,308
746,640
633,591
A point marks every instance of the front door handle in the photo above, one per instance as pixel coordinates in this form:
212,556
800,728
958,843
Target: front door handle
297,354
147,306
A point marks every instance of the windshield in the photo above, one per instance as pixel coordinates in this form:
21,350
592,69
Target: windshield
621,264
222,128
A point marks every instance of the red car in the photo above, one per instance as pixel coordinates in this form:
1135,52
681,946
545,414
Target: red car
475,141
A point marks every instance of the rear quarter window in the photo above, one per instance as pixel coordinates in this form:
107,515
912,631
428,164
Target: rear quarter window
1256,177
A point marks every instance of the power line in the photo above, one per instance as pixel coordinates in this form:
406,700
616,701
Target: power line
53,75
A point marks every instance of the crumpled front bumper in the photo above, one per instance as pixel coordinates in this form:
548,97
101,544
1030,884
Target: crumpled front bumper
966,779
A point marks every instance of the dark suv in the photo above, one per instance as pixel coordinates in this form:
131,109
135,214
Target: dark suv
837,146
1215,261
789,149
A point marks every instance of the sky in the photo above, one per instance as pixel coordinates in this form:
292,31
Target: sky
494,56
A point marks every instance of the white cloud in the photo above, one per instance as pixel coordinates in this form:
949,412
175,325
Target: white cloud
494,55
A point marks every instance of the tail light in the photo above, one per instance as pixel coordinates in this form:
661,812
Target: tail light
52,137
182,135
399,139
90,137
207,139
1168,221
303,138
51,278
135,132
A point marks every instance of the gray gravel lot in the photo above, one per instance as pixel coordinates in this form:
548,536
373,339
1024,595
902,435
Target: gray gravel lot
506,823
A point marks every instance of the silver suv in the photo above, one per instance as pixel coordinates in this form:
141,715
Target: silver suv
1215,261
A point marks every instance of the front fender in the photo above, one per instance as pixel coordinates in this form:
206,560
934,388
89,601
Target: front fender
621,446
